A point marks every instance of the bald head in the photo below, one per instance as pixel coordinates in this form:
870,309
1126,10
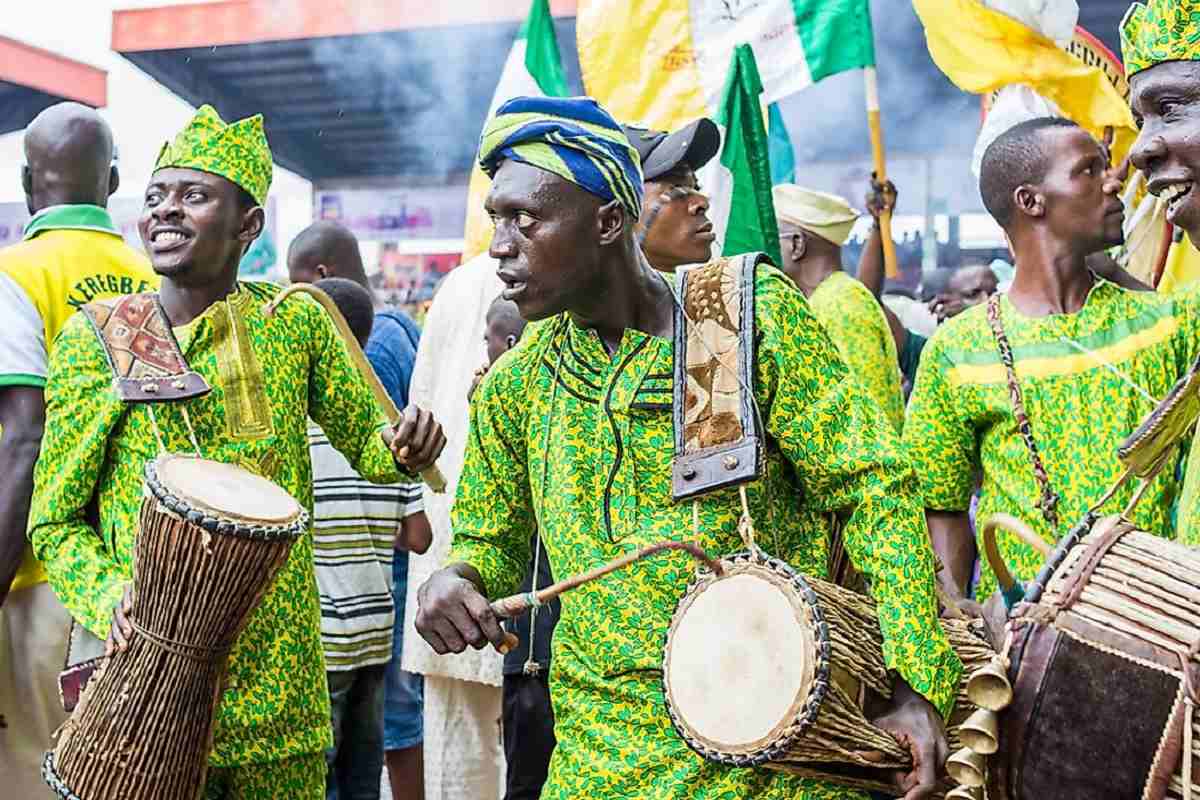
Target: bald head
326,249
68,158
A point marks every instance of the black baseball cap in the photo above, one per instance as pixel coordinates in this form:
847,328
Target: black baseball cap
694,144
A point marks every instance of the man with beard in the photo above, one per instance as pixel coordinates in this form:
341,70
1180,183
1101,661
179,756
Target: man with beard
268,375
1033,391
1160,42
584,454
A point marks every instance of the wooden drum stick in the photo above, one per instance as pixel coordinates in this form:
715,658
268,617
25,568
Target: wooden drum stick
517,604
431,475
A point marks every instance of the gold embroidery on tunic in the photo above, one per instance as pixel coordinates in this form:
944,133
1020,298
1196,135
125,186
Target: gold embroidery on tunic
247,409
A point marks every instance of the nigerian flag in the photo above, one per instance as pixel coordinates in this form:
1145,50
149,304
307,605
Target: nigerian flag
662,63
534,68
740,180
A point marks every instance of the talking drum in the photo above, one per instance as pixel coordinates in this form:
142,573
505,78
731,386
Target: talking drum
211,538
1103,668
764,666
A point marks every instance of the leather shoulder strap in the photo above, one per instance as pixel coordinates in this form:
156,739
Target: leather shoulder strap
717,436
147,364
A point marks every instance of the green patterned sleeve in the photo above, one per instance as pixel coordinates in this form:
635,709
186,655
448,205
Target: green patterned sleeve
340,401
81,413
938,438
848,459
493,514
859,331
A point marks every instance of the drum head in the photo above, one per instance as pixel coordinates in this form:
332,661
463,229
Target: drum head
740,660
226,491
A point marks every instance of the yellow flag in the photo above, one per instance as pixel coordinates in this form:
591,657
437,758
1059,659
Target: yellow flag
981,50
1183,267
638,60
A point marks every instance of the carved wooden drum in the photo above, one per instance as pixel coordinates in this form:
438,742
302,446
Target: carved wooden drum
212,537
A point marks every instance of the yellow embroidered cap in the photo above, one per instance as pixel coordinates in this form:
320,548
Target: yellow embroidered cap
826,215
1158,31
236,151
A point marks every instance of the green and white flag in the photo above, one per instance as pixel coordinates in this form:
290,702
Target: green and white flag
739,182
533,69
796,42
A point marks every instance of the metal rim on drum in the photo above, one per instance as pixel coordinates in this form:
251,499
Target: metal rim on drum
212,520
802,710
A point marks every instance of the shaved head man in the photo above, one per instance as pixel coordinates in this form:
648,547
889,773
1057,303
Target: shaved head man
1018,395
68,158
71,254
326,249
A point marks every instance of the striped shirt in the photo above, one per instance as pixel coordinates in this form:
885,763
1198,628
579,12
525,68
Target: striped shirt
354,523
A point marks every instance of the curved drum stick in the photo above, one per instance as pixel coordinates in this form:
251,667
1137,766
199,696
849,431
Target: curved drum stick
431,475
517,604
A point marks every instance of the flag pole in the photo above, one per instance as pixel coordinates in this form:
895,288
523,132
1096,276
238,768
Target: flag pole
871,81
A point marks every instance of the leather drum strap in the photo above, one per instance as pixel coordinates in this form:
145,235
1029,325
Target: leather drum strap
717,436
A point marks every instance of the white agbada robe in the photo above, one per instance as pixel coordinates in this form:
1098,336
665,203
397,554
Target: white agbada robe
463,696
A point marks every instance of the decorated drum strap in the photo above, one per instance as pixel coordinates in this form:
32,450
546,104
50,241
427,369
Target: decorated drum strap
147,364
1048,502
717,432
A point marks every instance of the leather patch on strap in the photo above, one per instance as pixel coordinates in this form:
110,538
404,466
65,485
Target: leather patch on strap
717,437
147,364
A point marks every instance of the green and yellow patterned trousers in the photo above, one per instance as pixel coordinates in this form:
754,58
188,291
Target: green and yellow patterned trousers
299,778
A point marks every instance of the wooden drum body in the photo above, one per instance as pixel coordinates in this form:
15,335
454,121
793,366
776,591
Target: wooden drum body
1102,661
764,666
211,538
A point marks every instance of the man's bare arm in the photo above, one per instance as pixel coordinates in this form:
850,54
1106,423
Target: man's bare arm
880,198
954,544
22,418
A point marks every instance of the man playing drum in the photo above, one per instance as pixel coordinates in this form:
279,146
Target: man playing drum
571,431
1032,392
202,210
1162,59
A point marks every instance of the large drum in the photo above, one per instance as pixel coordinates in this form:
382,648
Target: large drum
764,666
1103,668
211,539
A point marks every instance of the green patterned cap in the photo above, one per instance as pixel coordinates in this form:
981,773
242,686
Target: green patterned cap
238,152
1158,31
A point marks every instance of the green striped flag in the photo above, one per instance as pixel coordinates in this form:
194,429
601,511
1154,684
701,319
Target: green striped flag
742,212
796,42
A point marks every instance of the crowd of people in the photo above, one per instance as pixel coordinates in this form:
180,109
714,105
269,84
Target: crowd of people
545,385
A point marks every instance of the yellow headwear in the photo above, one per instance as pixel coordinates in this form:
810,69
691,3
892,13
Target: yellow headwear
826,215
238,152
1158,31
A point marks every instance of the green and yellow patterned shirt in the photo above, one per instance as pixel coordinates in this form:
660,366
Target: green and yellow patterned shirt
268,376
857,326
1088,379
589,462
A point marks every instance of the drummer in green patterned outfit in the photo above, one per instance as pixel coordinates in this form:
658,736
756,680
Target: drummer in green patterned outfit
202,210
588,462
1088,361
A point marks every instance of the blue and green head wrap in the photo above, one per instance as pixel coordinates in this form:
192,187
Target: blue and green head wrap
572,137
